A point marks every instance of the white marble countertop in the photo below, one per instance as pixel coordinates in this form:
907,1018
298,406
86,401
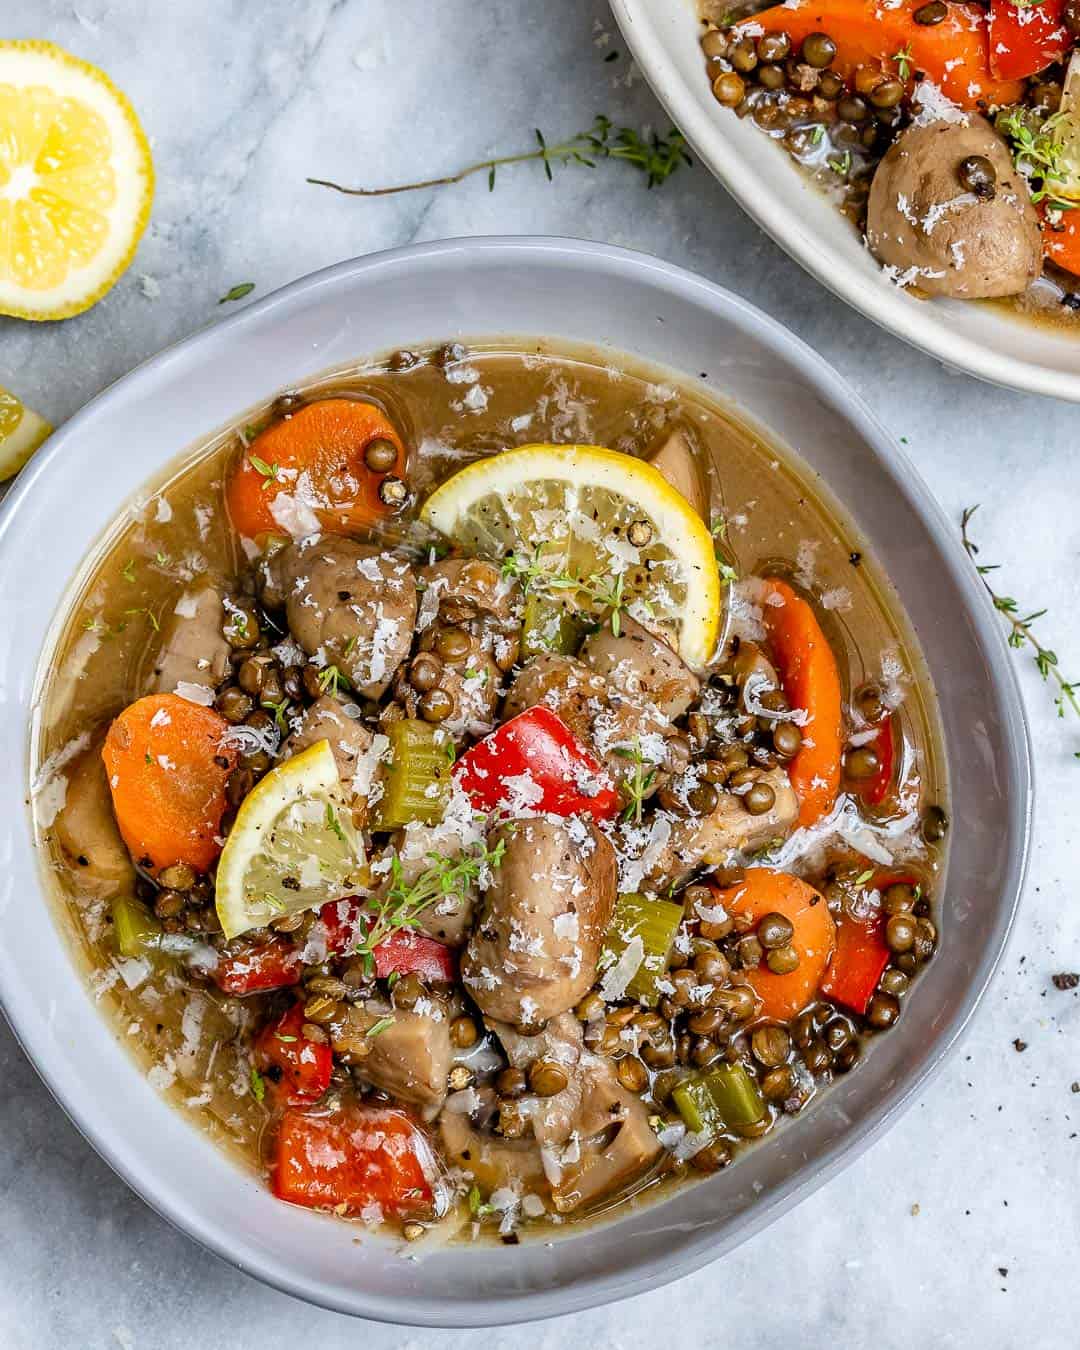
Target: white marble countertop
960,1228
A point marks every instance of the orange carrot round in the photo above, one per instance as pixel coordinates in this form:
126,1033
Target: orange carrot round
954,54
1061,238
167,767
811,682
764,892
314,458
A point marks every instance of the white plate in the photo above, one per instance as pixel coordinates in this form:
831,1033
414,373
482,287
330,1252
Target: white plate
982,339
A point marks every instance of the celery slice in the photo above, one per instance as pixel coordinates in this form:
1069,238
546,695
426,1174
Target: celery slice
655,922
417,785
722,1096
547,625
694,1102
137,932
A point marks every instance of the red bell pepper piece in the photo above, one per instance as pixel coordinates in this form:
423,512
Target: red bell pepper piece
297,1068
861,951
275,965
535,761
402,952
1025,39
406,952
356,1157
341,919
874,790
860,957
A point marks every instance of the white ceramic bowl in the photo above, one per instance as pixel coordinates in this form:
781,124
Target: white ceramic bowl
66,498
984,340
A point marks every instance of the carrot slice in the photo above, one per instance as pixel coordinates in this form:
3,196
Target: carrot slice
1061,238
954,53
167,767
811,682
314,459
762,892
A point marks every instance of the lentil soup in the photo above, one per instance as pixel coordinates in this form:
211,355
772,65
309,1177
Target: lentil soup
948,132
486,785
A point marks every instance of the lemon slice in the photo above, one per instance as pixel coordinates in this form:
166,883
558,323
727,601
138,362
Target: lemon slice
76,182
21,432
293,845
578,508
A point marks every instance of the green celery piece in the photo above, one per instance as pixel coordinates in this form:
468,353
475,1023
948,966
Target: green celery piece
137,932
723,1097
549,626
654,921
735,1095
418,760
694,1102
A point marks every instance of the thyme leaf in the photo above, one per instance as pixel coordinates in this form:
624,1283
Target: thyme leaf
1020,633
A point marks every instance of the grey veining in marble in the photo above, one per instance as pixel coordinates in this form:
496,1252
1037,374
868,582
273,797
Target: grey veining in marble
960,1228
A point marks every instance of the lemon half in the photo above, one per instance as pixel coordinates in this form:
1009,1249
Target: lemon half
293,845
577,504
21,432
76,182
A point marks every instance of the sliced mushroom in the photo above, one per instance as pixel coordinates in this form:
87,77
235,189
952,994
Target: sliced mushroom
193,648
594,1136
326,720
490,1161
86,829
347,604
687,844
409,1055
473,585
642,667
598,714
676,458
534,951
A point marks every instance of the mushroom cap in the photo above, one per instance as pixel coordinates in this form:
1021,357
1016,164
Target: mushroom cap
925,224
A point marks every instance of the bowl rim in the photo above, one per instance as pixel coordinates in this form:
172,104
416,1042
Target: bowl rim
886,306
169,1200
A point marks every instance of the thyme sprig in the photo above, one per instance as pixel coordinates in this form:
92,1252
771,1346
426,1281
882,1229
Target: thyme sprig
636,785
653,155
1020,626
601,589
1037,153
405,901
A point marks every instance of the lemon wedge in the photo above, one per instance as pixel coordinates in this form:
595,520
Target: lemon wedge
604,517
76,182
293,845
21,432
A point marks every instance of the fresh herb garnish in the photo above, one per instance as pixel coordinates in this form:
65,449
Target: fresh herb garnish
1020,635
237,292
405,901
1037,153
280,712
377,1028
534,574
903,59
841,166
258,1087
332,823
332,680
477,1208
655,156
636,785
270,472
128,570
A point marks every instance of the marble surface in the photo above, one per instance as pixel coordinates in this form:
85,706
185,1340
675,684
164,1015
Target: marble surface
960,1227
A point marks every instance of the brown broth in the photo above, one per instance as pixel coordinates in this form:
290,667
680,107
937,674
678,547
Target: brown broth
777,512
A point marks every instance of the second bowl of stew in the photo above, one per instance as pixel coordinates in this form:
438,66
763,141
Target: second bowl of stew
496,797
